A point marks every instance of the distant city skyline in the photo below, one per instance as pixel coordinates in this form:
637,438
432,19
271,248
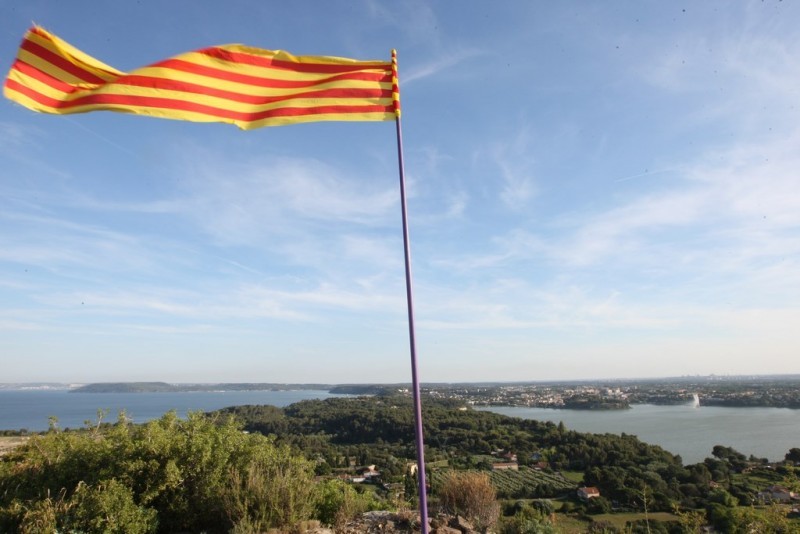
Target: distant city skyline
595,191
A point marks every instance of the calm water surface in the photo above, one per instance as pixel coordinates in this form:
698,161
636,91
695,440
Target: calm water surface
31,408
684,430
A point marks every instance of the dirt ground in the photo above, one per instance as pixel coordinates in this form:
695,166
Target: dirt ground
8,443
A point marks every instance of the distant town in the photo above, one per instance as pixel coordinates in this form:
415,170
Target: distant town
773,391
777,391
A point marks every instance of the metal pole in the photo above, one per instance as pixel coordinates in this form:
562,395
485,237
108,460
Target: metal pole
423,497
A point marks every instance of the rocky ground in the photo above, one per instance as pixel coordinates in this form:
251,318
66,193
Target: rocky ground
399,523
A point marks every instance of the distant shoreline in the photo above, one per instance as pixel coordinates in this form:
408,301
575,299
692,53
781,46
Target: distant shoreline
777,391
264,386
164,387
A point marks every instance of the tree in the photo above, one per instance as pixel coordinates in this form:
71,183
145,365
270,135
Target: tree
543,506
720,496
410,484
723,518
734,458
793,455
598,505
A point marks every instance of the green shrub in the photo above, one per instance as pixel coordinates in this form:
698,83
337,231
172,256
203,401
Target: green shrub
108,508
338,502
274,490
169,475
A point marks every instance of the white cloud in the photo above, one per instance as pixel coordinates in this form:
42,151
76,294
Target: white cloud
281,196
711,248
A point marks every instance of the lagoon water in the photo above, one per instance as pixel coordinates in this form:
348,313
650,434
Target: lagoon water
685,430
31,409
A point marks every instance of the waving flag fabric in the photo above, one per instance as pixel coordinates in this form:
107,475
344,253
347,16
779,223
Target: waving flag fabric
236,84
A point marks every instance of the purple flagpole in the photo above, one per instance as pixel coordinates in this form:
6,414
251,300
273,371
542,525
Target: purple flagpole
423,497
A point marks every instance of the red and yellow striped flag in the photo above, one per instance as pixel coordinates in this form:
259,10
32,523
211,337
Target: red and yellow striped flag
235,84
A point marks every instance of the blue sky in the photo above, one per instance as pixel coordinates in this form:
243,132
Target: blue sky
595,190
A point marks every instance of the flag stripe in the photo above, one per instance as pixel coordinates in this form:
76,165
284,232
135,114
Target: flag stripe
232,83
179,66
274,120
61,68
203,60
48,51
279,59
157,77
23,68
62,48
54,89
53,99
118,101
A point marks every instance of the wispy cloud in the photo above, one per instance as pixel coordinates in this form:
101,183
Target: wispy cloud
57,244
745,76
711,246
280,196
222,303
16,135
514,158
418,21
438,65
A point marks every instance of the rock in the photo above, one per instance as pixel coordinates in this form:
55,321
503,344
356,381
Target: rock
377,515
461,524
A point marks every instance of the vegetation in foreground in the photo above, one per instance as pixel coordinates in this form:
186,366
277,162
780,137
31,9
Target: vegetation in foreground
249,469
169,475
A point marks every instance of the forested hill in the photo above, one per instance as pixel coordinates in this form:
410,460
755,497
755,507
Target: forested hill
451,429
339,432
379,430
125,387
163,387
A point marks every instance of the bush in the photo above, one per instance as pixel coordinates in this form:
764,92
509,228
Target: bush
171,474
338,502
108,508
472,496
602,527
529,519
523,525
598,505
568,507
37,516
274,490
